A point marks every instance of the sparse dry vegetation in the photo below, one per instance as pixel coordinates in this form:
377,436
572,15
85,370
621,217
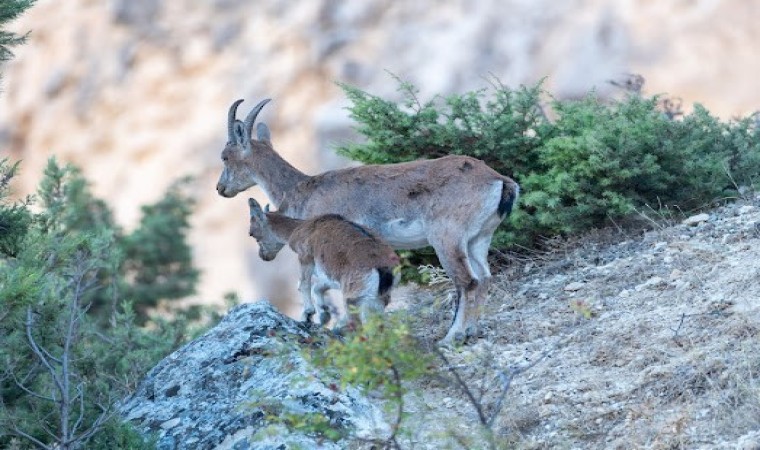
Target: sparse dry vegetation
667,357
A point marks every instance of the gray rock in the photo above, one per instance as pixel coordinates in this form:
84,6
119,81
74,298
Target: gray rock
574,286
135,12
697,219
220,390
653,282
746,209
750,441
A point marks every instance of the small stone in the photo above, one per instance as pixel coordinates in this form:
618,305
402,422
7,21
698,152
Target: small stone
574,286
650,283
171,423
696,220
746,209
667,259
726,239
548,396
625,293
543,296
750,441
676,274
681,285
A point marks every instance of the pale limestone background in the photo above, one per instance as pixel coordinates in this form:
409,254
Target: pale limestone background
136,91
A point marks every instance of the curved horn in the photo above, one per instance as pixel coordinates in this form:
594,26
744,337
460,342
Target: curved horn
251,117
231,119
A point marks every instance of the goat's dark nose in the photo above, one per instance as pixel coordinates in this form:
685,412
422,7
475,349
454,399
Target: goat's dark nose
220,190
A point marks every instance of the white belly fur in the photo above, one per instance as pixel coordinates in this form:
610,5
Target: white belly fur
404,234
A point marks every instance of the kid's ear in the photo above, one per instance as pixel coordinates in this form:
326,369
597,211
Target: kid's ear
254,206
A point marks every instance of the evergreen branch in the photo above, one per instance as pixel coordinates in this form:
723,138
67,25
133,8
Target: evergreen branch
28,436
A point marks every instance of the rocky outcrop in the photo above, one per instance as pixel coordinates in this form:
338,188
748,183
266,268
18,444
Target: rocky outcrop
225,389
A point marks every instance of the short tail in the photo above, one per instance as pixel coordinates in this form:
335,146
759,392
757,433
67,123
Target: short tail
510,191
386,280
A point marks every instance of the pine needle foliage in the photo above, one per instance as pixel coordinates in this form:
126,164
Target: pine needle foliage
73,294
9,11
595,162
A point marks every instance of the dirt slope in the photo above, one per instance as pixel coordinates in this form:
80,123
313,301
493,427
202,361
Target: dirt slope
651,341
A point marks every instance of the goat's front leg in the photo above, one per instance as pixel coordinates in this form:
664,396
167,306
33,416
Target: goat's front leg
304,288
318,291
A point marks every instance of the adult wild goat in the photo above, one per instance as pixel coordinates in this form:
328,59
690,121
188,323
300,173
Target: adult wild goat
453,203
334,254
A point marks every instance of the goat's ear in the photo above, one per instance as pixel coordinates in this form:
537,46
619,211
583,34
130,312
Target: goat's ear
254,207
262,132
238,130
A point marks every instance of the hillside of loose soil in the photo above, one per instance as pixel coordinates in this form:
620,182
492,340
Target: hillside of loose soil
619,340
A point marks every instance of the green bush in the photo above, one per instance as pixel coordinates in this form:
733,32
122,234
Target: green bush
382,357
595,162
158,259
9,11
15,216
153,263
73,291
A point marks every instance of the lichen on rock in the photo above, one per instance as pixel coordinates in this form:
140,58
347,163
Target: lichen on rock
228,388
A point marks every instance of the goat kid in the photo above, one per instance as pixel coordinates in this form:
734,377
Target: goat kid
334,254
453,203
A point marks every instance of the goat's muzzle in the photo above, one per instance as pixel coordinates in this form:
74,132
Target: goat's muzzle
266,256
220,190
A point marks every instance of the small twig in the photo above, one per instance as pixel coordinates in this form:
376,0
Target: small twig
506,380
677,329
39,353
36,441
619,228
406,87
29,391
400,407
463,386
731,178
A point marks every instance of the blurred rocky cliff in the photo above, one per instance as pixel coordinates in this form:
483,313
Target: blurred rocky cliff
136,91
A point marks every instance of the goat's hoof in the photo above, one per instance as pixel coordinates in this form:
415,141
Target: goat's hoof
454,340
474,332
307,315
344,330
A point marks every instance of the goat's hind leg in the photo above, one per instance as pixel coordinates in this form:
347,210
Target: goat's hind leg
454,259
318,291
362,301
372,303
478,257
